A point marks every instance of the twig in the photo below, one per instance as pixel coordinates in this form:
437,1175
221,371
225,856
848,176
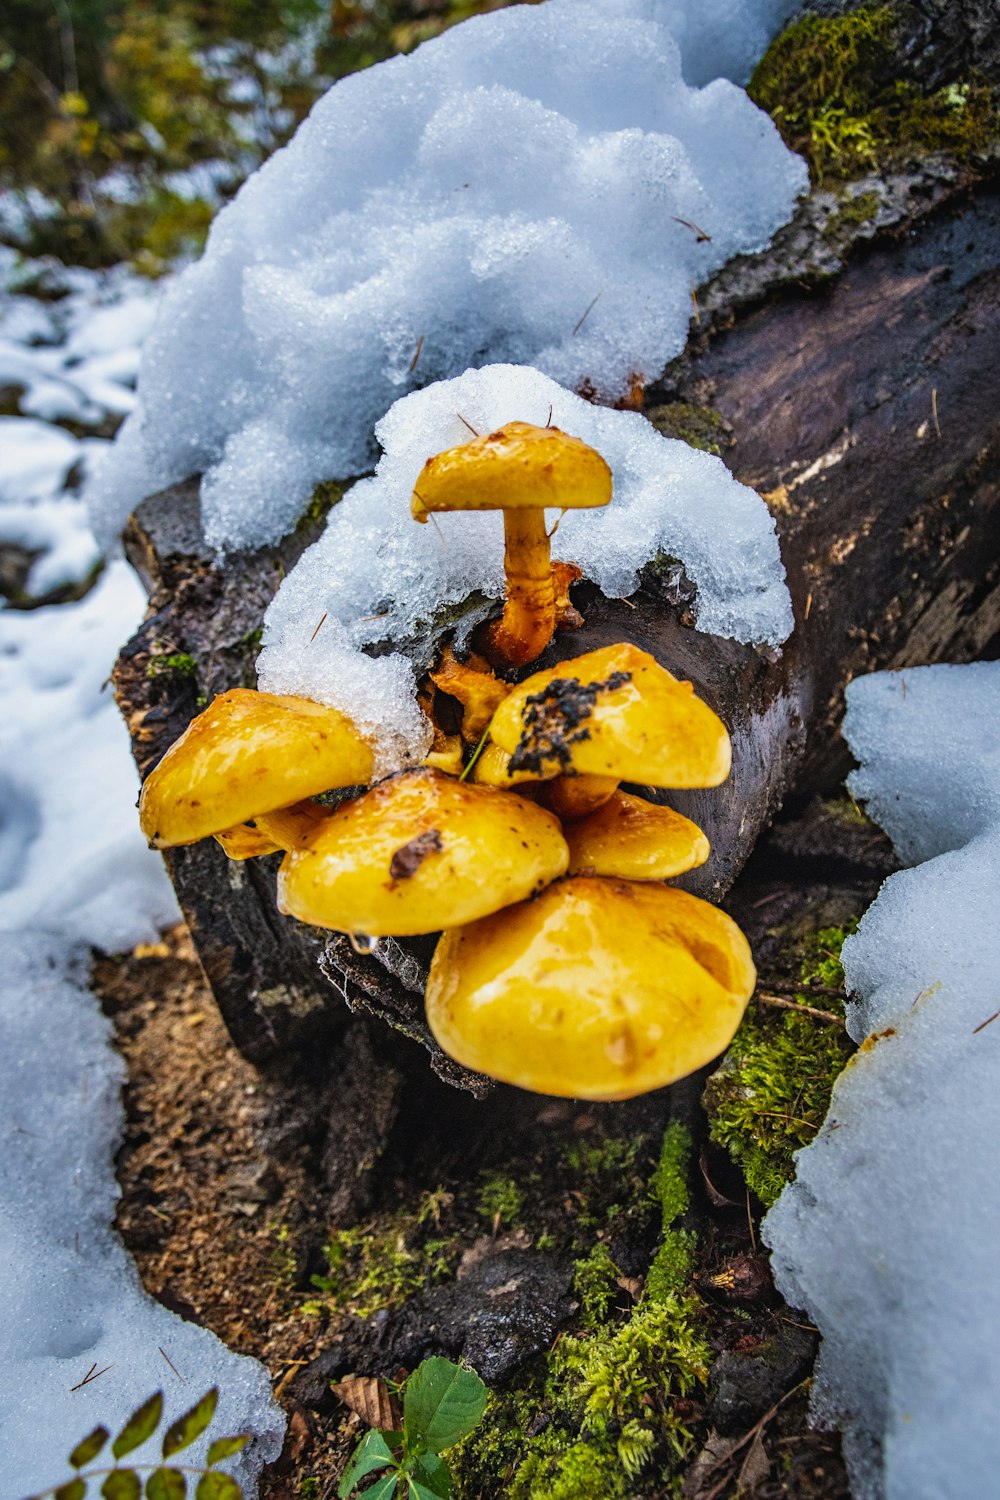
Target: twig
416,354
703,237
779,987
806,1010
170,1362
586,314
983,1024
90,1377
319,627
934,411
468,425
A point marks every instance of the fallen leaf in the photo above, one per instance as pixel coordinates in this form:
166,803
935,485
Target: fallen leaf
755,1467
369,1398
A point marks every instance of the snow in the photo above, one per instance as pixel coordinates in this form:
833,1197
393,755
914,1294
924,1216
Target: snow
75,872
375,573
887,1237
70,1298
521,189
73,359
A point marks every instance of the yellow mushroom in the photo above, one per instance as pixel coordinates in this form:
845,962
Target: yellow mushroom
634,840
519,469
249,753
615,713
599,989
420,852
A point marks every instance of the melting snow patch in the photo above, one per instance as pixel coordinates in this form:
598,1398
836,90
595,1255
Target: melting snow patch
888,1235
538,185
70,1299
375,574
71,854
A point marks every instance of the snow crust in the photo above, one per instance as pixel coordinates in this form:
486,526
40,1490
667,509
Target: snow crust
70,1298
536,186
888,1235
376,574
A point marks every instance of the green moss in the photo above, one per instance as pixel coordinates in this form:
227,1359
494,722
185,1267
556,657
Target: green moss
772,1091
608,1403
372,1267
828,83
702,426
178,662
324,497
500,1200
595,1282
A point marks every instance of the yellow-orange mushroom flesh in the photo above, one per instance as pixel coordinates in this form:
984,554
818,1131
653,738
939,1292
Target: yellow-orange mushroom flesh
249,753
245,841
613,712
599,989
632,839
520,469
420,852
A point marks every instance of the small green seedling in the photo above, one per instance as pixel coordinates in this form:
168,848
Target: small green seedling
163,1482
441,1403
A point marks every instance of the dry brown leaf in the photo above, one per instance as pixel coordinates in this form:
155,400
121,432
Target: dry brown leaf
369,1397
755,1467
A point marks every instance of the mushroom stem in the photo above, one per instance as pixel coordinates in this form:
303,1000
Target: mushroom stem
529,613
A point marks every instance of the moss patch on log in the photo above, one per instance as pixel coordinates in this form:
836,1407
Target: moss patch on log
832,86
771,1093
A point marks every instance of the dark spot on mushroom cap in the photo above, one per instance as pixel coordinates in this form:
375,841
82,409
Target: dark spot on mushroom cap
409,857
554,719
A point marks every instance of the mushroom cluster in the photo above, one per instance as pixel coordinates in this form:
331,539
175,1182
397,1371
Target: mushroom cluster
566,965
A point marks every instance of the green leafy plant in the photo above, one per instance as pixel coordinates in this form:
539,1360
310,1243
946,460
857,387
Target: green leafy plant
441,1404
163,1482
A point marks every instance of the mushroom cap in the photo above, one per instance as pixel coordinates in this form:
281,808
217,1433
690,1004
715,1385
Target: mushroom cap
248,753
599,989
613,712
518,467
419,852
633,839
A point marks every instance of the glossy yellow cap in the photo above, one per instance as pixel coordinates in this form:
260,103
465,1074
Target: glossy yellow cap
420,852
518,467
248,753
613,712
632,839
599,989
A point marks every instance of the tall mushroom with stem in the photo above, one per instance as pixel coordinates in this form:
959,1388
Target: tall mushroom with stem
522,470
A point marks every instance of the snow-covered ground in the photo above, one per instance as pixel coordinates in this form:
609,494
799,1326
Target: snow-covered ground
75,872
888,1235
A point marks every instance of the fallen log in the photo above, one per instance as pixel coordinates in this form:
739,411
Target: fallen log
860,402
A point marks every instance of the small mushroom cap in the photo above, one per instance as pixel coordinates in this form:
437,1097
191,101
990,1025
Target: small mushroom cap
599,989
614,712
518,467
420,852
635,840
248,753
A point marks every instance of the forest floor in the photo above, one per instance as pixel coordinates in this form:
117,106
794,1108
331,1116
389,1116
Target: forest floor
228,1218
